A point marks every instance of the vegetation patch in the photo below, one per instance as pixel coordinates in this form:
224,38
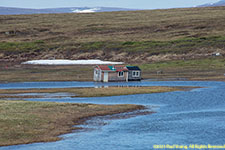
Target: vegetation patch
19,47
21,73
210,63
24,122
93,92
178,46
194,69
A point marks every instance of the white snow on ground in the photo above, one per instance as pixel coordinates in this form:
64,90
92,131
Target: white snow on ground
69,62
91,10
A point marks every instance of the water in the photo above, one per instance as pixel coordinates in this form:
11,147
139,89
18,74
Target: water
183,117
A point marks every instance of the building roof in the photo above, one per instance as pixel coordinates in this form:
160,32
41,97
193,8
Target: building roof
113,67
133,68
104,67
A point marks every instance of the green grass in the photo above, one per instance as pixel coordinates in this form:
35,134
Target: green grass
179,46
20,47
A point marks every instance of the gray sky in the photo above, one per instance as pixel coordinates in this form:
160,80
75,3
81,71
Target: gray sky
139,4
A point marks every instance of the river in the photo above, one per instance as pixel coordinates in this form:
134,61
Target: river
182,117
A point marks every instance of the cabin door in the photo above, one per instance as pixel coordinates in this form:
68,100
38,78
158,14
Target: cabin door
105,79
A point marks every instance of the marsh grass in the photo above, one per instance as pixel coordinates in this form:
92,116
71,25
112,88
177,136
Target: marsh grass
24,122
95,92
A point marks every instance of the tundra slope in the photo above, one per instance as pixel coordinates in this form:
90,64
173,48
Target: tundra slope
130,36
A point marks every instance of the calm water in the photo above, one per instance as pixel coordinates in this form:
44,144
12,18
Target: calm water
184,117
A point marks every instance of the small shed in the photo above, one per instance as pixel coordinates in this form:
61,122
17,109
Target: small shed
134,73
116,73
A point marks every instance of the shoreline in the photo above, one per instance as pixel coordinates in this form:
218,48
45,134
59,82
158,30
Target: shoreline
28,122
146,79
62,127
49,120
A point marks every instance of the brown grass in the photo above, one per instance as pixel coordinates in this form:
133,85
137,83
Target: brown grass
27,122
114,26
20,73
133,36
93,92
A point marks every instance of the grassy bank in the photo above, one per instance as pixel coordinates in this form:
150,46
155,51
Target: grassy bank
27,122
92,92
196,69
22,73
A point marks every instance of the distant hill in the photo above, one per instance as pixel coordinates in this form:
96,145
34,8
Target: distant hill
220,3
19,11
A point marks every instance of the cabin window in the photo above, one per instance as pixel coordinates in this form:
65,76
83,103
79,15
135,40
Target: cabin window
135,73
121,74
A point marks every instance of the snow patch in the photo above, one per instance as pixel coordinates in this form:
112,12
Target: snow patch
69,62
90,10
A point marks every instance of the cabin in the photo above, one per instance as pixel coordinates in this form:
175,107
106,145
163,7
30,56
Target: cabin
116,73
134,73
113,73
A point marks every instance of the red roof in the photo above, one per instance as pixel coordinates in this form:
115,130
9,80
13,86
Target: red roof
104,67
113,67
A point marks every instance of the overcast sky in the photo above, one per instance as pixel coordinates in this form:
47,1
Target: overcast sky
139,4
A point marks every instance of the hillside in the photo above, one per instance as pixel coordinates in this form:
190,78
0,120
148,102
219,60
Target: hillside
219,3
131,36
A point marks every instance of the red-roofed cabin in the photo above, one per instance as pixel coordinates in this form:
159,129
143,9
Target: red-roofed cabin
110,73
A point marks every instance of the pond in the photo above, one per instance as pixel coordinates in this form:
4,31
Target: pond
183,117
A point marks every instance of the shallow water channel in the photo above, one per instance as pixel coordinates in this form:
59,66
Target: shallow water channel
183,118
